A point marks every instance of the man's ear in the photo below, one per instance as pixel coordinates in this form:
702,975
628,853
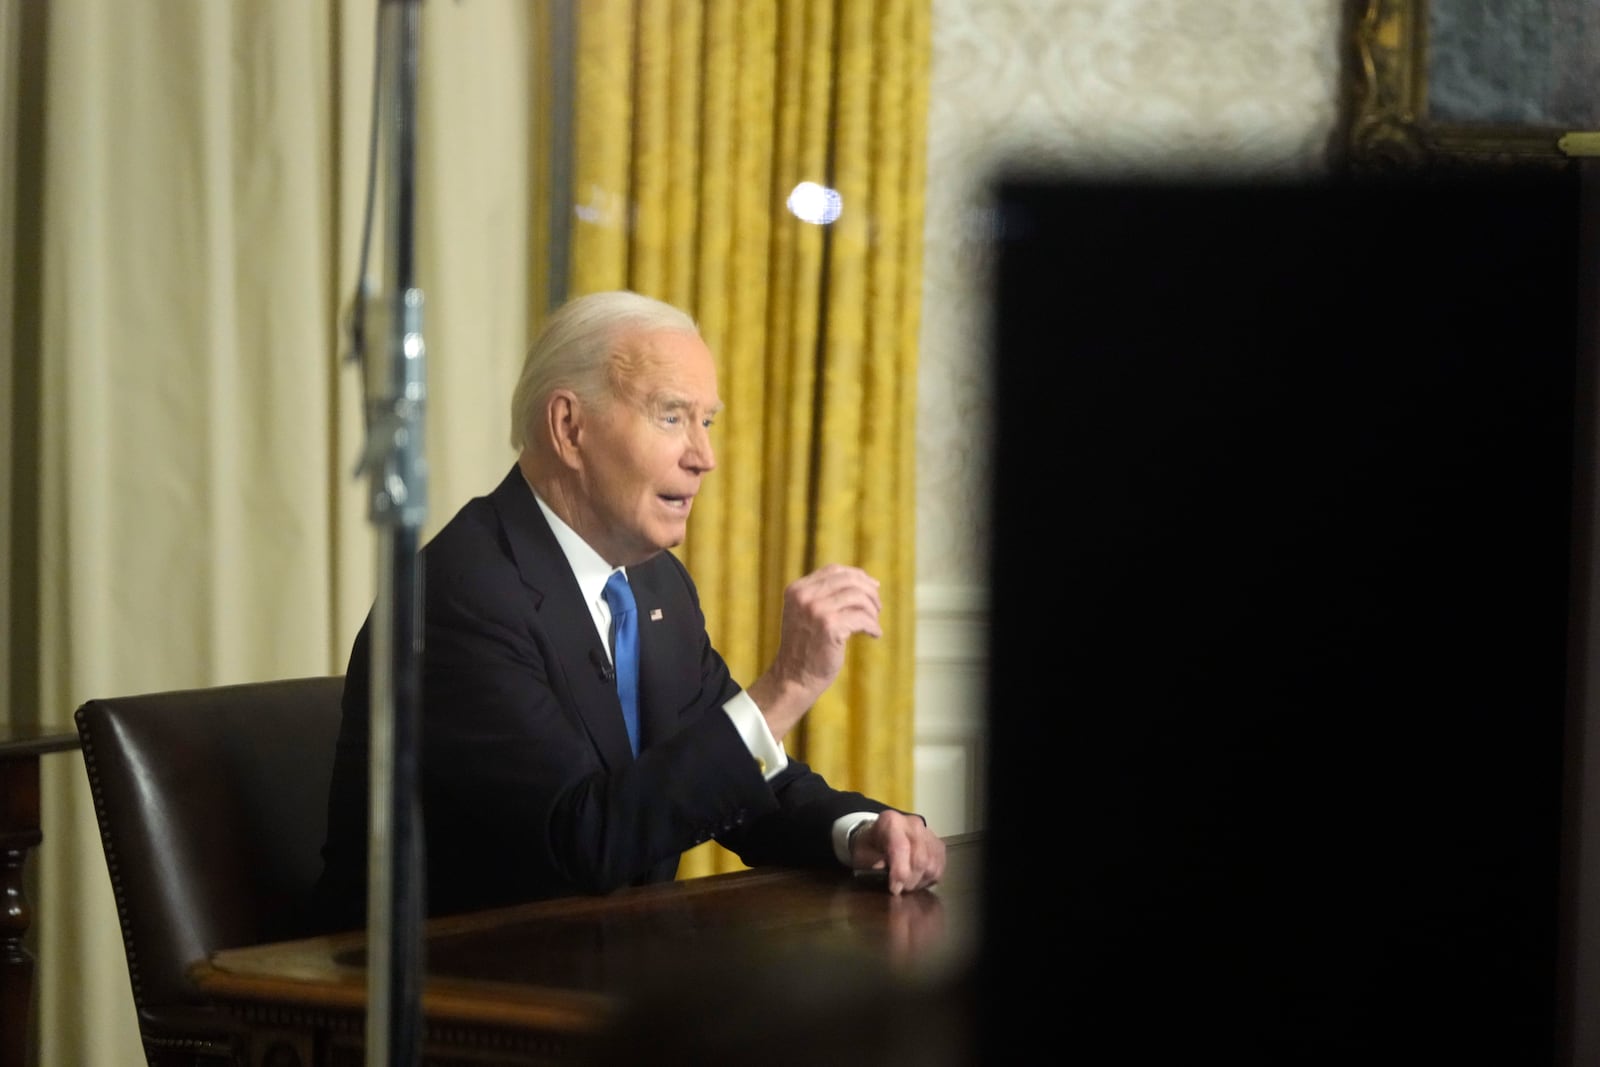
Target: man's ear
564,421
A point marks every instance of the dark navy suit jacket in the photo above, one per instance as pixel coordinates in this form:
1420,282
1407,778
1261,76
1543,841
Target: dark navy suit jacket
527,783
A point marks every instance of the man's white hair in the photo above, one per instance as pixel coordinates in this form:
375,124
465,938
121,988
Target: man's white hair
576,348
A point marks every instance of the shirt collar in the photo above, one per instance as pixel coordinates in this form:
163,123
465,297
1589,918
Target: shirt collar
588,566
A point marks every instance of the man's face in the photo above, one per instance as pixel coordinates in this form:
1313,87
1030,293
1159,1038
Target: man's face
645,452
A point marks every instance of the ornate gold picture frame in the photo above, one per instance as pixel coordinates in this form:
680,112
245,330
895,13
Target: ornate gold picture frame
1512,81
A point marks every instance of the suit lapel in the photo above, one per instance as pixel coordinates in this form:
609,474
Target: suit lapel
657,630
564,619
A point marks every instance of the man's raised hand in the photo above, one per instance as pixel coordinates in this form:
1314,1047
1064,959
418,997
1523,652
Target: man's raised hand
821,612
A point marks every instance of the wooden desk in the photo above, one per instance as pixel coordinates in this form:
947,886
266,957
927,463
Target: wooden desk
20,749
579,978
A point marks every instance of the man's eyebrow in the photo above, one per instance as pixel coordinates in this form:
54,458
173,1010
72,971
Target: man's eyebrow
677,402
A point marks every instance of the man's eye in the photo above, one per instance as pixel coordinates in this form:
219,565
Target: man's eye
708,423
671,420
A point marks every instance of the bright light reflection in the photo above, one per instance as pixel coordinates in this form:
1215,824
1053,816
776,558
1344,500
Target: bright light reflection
816,204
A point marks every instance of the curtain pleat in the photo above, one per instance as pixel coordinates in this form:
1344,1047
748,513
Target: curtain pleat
479,276
601,194
802,118
737,218
913,25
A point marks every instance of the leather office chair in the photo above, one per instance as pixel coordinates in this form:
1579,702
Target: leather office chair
212,808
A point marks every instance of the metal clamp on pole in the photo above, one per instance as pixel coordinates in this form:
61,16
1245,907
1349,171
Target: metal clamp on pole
392,460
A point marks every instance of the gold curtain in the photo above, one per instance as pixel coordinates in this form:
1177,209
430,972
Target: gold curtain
181,194
694,121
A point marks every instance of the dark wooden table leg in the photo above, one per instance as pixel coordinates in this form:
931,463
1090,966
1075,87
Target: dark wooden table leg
19,833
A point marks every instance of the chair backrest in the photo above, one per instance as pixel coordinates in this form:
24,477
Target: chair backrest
212,805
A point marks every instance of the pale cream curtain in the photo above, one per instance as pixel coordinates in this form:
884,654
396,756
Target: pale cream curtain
181,191
728,106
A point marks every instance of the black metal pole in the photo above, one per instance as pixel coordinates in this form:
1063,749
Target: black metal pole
398,504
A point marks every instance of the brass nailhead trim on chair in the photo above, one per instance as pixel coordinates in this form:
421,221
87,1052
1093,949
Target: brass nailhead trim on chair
111,862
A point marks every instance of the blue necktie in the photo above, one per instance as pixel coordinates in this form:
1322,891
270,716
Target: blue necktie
625,651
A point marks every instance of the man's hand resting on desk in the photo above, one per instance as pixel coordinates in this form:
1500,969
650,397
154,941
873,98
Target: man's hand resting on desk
902,846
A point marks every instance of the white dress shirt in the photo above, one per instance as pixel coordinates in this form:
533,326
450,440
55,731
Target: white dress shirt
592,572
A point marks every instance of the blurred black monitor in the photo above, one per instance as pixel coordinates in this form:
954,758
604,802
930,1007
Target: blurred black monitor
1289,510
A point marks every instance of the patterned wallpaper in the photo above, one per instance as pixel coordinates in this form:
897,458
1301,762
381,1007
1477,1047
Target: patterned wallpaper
1130,85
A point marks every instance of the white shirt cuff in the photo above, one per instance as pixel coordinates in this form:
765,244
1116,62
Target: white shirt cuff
843,826
752,727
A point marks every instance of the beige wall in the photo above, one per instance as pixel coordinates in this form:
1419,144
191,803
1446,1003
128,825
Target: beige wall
1160,86
1156,85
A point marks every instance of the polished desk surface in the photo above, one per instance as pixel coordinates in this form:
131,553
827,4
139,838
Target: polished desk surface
566,968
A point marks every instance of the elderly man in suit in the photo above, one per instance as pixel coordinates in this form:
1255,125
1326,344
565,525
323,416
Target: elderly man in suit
566,747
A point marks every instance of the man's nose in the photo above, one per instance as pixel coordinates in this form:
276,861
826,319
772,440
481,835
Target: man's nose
700,456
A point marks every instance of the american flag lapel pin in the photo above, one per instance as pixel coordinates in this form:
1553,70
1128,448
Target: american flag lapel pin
655,614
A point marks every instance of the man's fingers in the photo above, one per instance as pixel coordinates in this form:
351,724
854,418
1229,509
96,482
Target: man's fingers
842,606
836,574
913,854
821,612
911,871
833,584
844,625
